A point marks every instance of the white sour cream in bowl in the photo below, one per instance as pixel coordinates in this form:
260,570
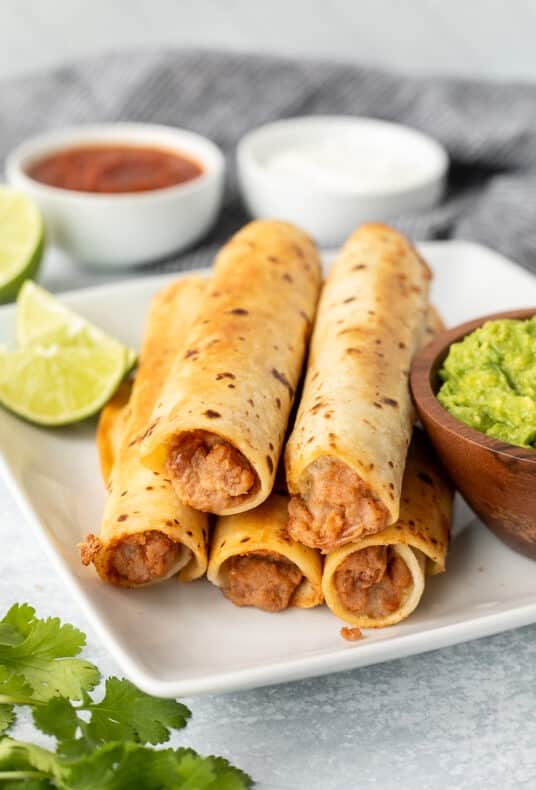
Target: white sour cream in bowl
329,174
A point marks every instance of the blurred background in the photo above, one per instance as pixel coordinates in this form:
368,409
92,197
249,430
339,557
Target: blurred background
482,38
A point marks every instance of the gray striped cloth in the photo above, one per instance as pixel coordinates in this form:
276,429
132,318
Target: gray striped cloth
488,129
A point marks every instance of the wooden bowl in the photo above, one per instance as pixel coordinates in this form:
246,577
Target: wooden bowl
498,480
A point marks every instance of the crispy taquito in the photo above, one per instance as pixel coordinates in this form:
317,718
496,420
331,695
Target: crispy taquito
218,427
256,563
346,455
379,580
147,534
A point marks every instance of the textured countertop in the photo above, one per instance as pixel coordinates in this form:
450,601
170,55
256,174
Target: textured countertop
462,717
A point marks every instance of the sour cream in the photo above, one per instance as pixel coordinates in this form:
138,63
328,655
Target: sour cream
329,174
345,163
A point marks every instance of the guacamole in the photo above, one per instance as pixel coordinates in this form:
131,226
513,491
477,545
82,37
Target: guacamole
490,381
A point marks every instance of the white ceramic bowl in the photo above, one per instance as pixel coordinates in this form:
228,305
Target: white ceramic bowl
128,228
329,209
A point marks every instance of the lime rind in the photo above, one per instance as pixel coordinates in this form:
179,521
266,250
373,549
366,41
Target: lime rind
22,242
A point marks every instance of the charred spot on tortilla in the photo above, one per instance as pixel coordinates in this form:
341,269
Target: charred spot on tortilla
283,380
390,402
425,478
238,311
288,278
220,376
122,517
191,353
348,300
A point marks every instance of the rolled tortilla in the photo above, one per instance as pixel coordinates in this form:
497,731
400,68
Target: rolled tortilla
218,428
147,534
111,427
256,563
379,580
346,455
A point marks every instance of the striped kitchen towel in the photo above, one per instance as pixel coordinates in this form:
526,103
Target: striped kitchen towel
488,129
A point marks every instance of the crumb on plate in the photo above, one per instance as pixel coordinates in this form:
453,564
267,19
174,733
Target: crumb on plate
351,634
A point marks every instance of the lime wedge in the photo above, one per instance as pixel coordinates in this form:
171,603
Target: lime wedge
57,384
43,319
22,241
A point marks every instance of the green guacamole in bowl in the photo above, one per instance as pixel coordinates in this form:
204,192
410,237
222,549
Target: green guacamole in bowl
489,380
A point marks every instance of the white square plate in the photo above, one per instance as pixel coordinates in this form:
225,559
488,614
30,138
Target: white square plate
173,640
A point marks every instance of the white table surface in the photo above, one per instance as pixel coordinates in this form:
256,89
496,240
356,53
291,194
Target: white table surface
462,717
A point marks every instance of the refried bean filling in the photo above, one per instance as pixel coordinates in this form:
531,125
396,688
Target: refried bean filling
336,508
145,557
209,473
372,581
262,579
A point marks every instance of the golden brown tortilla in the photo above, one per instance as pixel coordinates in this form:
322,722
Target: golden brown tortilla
142,514
419,538
346,455
111,427
218,428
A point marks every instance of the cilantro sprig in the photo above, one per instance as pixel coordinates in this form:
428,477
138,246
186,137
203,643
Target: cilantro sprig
106,743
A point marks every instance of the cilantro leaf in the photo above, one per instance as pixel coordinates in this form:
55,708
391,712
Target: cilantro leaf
206,773
13,690
9,635
227,776
44,656
7,717
13,687
126,713
119,766
19,618
58,718
98,743
22,756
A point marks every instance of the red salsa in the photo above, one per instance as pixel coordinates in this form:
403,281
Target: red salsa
114,169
